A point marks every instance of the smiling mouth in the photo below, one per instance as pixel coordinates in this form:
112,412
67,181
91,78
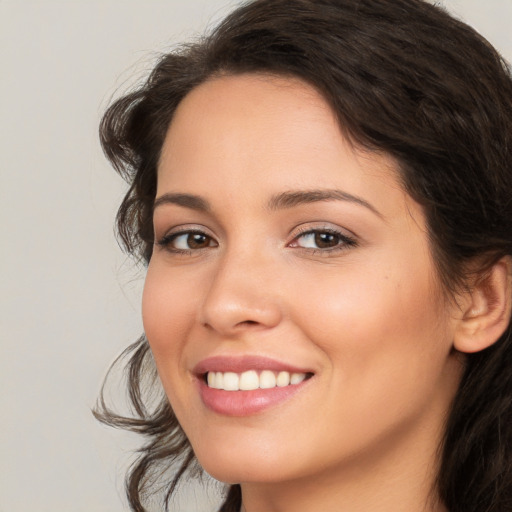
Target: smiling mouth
251,380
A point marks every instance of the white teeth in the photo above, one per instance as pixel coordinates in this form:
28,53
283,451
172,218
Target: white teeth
297,378
231,381
283,379
267,380
219,380
250,380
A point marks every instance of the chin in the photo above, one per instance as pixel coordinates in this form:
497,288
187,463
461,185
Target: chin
232,465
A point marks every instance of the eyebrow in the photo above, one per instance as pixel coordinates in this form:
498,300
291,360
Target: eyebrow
283,200
186,200
292,198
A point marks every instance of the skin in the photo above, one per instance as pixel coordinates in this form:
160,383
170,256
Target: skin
368,317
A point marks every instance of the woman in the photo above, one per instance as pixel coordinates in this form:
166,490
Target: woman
322,193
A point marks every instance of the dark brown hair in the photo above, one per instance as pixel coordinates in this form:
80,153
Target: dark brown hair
404,78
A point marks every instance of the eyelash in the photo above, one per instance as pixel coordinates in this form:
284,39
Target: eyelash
166,241
344,241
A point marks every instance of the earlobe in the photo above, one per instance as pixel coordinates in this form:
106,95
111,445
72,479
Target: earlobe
487,309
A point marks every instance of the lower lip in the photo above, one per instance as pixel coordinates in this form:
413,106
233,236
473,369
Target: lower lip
246,403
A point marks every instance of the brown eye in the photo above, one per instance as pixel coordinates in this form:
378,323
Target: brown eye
188,241
321,240
326,240
197,241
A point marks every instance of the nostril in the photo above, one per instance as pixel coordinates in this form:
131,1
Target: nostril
248,324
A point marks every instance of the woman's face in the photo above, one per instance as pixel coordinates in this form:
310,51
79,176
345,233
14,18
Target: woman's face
281,249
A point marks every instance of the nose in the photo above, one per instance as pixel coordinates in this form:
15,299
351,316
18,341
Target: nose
243,295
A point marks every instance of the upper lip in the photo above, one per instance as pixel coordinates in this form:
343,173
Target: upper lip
240,364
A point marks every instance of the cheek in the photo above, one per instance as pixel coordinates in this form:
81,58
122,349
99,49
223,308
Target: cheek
367,300
381,329
167,314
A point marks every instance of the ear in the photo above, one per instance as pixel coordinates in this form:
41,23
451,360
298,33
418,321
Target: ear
486,309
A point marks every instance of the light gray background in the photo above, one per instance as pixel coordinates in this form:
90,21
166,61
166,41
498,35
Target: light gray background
69,298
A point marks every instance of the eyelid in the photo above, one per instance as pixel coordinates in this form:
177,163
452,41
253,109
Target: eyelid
182,229
170,235
314,227
348,238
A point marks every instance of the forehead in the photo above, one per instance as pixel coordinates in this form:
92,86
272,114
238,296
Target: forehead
262,133
252,114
